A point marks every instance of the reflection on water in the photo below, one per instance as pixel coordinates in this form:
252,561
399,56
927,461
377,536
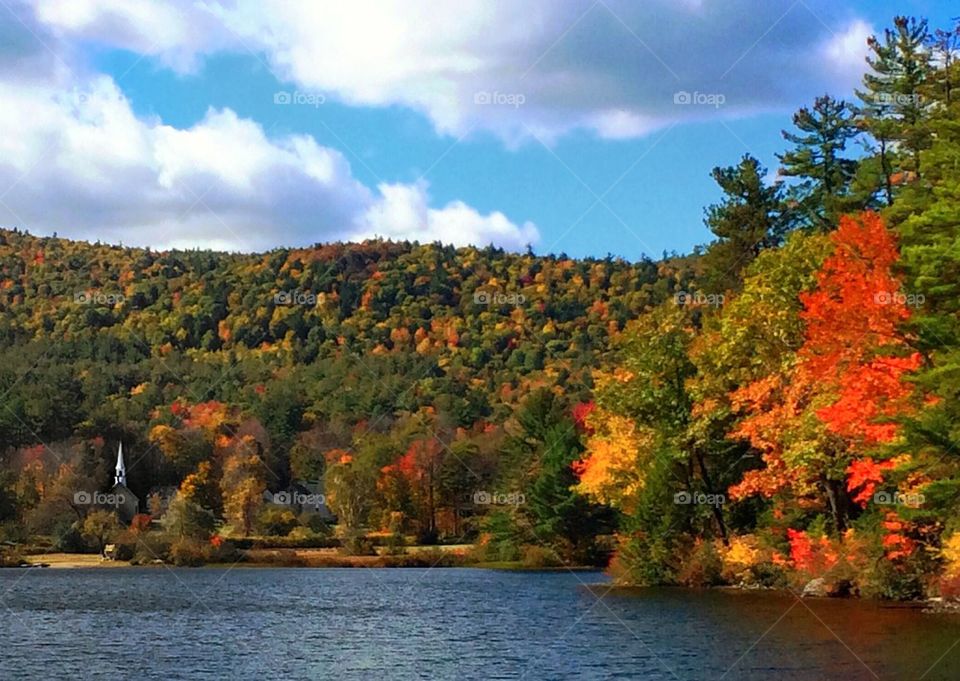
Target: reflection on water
444,624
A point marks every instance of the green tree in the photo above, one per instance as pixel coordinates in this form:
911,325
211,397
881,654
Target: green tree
350,488
98,528
187,519
817,160
894,110
750,217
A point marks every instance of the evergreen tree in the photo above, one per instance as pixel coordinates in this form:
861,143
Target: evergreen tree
750,217
930,248
894,109
824,191
944,45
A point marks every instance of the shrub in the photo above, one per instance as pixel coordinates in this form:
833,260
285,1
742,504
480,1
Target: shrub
533,556
274,521
151,546
767,574
315,523
396,544
428,558
427,537
188,552
357,545
218,550
747,562
703,566
15,532
10,557
67,539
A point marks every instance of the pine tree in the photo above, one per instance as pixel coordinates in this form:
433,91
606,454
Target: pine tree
750,217
944,45
894,111
817,159
930,237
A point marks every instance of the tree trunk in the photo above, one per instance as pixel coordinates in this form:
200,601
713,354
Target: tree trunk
836,506
885,167
716,508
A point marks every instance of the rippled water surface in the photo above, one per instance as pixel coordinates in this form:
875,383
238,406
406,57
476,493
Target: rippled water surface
443,624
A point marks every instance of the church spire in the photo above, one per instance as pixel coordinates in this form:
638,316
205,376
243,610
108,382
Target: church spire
120,474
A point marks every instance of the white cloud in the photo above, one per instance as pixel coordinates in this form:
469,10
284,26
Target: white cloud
845,51
74,158
84,165
404,208
611,67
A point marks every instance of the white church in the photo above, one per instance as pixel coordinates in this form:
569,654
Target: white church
125,502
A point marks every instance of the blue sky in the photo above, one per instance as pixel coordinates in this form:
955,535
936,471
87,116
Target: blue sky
166,129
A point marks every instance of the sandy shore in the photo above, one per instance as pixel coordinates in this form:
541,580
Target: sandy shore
73,560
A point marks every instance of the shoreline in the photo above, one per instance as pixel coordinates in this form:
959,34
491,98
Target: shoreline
79,561
293,559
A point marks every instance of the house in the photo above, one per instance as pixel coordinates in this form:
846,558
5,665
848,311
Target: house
303,496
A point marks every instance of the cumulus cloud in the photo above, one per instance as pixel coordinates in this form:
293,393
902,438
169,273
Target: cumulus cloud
403,208
612,66
74,158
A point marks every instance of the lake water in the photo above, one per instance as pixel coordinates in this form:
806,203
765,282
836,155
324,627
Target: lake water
249,623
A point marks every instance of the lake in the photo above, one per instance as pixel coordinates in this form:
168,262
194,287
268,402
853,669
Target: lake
256,623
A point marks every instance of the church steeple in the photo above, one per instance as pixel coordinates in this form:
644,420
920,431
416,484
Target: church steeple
120,474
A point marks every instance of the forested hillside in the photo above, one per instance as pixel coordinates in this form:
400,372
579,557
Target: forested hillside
378,349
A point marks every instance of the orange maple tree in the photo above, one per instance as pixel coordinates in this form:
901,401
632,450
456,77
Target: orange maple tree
848,375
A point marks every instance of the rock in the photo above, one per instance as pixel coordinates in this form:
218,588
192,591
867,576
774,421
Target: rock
817,588
843,588
939,606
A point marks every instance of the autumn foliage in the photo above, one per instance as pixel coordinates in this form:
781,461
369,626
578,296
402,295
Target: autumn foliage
822,422
848,375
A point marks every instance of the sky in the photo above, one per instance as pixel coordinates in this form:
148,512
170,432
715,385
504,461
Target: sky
574,126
